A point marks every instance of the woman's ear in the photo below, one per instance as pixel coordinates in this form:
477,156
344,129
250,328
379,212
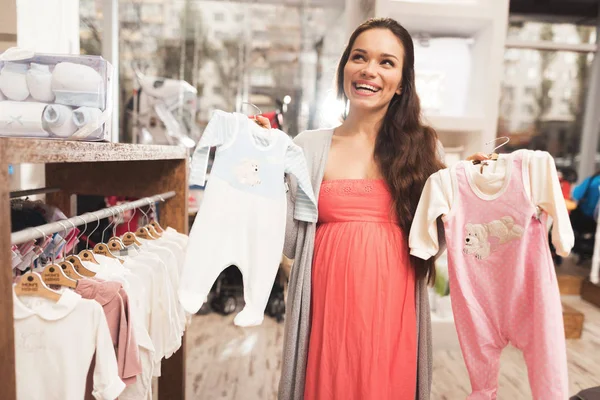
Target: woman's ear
399,90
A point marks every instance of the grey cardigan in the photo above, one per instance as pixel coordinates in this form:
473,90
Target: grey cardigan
299,246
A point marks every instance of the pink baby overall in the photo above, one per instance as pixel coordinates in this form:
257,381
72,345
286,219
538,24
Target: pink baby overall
503,284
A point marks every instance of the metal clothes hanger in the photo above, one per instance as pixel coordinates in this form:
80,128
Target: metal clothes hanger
115,243
151,227
87,254
142,231
493,156
66,265
75,259
154,222
130,238
102,248
258,109
53,273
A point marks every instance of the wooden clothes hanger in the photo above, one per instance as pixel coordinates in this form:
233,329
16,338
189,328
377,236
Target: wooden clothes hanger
129,238
151,228
143,232
53,273
32,284
102,248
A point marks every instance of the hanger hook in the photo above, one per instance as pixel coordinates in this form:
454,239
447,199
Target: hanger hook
130,219
112,214
82,232
145,215
122,213
66,229
87,244
77,239
250,104
33,259
507,139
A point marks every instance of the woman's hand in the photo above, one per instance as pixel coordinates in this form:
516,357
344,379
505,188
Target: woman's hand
478,157
263,121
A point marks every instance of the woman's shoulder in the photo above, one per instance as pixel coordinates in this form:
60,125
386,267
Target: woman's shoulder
312,138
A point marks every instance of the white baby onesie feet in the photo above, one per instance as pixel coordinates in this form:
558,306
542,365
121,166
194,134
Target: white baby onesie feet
59,120
13,82
39,82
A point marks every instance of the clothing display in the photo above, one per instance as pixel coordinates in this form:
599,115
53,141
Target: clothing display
54,96
63,338
58,119
502,280
86,115
78,85
299,245
242,217
13,81
25,118
39,82
361,275
135,290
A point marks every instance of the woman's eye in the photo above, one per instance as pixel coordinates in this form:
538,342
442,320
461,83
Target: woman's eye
357,57
388,62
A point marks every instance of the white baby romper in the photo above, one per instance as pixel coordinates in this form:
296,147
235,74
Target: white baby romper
242,217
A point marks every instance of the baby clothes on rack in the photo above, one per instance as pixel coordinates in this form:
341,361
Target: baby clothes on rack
242,217
114,301
502,280
63,337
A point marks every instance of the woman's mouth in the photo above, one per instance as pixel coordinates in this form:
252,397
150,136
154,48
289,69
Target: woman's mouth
365,88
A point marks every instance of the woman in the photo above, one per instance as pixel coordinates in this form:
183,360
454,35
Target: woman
358,323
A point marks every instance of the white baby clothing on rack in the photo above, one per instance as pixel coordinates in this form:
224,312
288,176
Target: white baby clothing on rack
242,217
39,82
13,81
55,344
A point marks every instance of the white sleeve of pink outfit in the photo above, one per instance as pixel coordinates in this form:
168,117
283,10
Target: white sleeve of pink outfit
435,201
546,193
544,190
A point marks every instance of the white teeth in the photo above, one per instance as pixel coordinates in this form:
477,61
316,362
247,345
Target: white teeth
368,87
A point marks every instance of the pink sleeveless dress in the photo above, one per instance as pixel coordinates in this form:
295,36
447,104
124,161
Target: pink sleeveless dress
363,339
503,284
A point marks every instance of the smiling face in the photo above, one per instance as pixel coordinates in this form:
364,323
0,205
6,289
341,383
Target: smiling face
373,73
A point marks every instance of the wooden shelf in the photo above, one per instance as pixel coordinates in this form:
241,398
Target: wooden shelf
40,151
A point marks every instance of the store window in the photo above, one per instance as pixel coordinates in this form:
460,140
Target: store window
547,112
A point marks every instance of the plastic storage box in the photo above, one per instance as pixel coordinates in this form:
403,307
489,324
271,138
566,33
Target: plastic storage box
55,96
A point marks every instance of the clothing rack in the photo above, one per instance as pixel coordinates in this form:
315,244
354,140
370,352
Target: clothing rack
29,234
96,169
32,192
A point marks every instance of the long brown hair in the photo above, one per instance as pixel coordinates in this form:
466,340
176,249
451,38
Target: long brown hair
405,149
